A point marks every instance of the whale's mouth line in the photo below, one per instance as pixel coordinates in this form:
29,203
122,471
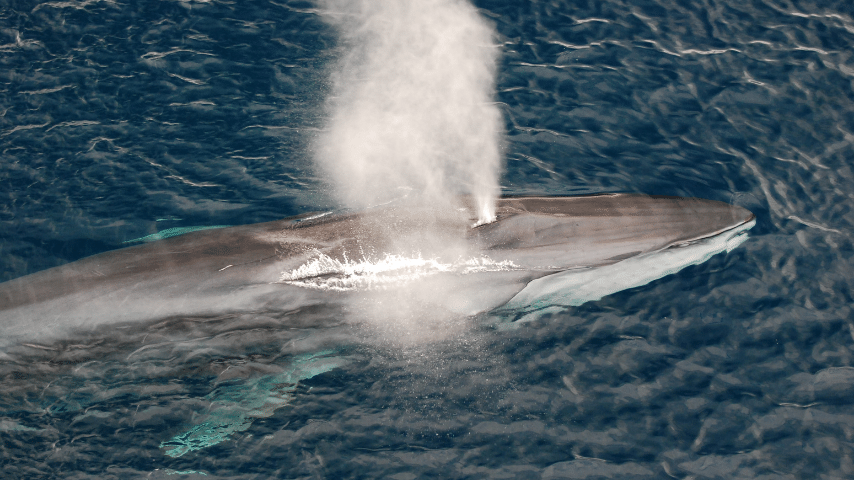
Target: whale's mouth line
744,225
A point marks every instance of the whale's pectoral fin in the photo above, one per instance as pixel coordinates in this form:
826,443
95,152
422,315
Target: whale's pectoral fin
236,405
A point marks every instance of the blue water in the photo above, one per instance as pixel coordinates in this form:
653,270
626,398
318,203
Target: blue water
120,120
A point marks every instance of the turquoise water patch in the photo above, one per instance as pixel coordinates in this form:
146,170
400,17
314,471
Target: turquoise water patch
172,232
13,426
235,407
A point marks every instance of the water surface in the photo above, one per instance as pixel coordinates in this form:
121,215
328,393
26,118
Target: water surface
124,119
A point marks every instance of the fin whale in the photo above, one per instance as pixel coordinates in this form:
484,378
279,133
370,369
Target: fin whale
537,244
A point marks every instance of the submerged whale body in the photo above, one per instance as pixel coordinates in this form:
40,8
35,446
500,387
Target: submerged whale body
540,251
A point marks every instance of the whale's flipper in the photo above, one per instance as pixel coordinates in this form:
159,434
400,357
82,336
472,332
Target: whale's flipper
235,405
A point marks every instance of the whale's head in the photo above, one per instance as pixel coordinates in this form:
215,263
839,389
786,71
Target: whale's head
566,232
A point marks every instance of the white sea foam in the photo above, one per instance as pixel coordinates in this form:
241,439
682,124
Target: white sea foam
325,273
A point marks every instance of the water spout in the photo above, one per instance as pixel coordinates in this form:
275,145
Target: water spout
412,105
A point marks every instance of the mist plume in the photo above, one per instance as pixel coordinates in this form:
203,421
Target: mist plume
412,111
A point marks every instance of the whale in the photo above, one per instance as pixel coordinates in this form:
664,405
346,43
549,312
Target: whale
541,251
299,292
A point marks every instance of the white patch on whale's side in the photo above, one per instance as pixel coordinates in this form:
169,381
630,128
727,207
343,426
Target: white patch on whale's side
325,273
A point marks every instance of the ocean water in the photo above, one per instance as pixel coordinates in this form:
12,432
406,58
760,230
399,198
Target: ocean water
120,120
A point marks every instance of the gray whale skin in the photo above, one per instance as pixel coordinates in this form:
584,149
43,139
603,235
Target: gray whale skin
537,250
